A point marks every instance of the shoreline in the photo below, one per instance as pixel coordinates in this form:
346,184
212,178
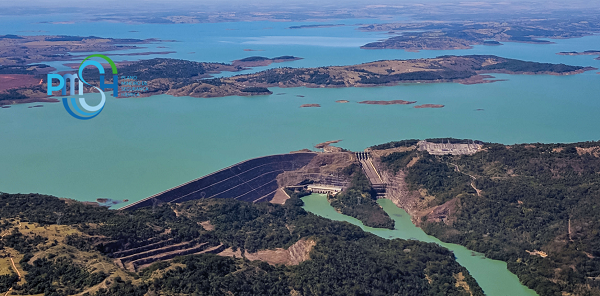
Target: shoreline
445,69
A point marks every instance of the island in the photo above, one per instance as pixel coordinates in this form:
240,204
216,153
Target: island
429,106
315,26
587,52
447,35
309,105
342,101
258,61
185,78
393,102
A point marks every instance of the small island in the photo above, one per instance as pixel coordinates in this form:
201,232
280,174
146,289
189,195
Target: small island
258,61
429,106
446,35
587,52
309,105
342,101
315,26
491,43
327,143
393,102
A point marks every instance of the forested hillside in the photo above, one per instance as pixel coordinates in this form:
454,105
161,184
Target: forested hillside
510,202
63,247
358,200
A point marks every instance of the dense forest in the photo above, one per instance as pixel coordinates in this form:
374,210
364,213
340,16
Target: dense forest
175,69
533,197
344,261
358,200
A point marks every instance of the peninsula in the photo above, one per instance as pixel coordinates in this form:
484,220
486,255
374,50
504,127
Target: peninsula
184,78
587,52
258,61
24,50
415,36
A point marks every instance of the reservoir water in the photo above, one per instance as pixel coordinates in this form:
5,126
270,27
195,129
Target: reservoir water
491,275
138,147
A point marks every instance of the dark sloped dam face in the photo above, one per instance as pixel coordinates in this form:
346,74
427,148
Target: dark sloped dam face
251,180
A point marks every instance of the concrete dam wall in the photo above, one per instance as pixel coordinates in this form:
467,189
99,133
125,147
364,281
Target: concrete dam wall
250,180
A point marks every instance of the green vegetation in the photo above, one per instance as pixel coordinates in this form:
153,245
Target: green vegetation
175,69
7,281
412,142
358,200
16,70
533,197
187,78
396,161
417,75
337,267
285,57
10,36
12,94
533,67
462,35
256,90
254,59
21,243
344,261
260,59
395,144
57,277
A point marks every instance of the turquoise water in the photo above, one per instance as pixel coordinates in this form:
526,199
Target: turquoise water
224,42
491,275
138,147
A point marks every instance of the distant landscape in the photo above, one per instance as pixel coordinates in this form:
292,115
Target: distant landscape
184,78
301,148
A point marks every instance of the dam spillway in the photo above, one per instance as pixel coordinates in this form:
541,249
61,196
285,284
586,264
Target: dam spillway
250,180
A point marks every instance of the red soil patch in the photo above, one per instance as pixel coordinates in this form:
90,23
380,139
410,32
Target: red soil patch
8,81
430,106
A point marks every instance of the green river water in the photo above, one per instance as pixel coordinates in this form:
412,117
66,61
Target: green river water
492,275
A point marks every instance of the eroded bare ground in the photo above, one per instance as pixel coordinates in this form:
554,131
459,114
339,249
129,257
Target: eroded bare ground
280,197
294,255
324,167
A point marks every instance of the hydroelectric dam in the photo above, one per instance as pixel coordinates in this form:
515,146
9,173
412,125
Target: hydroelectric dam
250,180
